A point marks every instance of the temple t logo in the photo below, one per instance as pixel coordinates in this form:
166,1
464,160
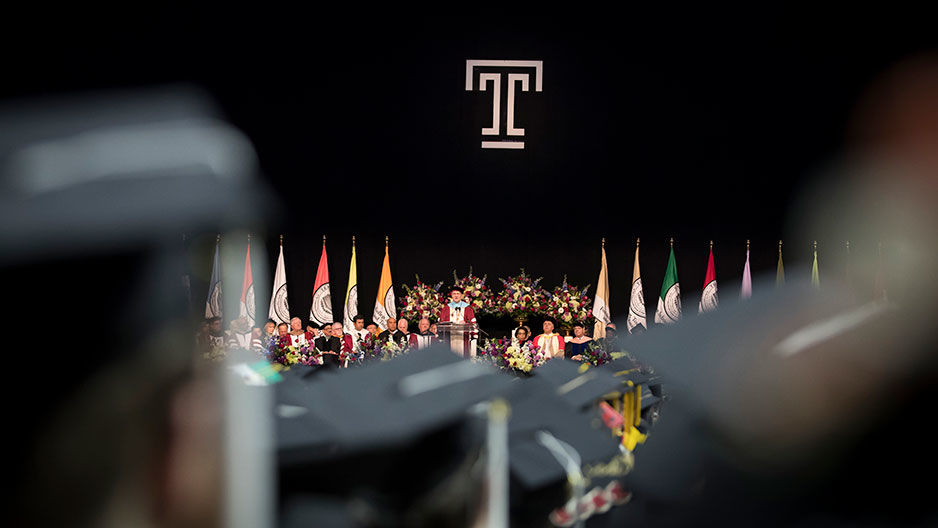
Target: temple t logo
489,74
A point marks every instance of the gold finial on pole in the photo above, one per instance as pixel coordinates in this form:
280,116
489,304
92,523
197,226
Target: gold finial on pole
385,241
324,240
815,245
672,242
711,245
218,238
281,239
779,247
848,246
353,240
249,238
747,244
604,242
637,241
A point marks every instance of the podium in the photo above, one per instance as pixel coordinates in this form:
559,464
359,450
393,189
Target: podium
458,336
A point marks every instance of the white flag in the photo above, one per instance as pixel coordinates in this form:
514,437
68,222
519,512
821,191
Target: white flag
637,299
279,307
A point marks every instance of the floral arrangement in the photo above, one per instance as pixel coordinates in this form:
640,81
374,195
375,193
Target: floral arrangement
568,305
508,356
521,298
595,353
476,293
282,351
423,300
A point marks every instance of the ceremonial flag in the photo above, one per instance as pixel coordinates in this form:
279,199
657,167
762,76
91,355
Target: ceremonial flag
708,300
321,310
815,279
780,271
637,298
279,307
213,303
669,301
247,307
351,294
384,304
746,291
601,301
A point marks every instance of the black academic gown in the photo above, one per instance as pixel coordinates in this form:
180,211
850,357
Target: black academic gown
333,344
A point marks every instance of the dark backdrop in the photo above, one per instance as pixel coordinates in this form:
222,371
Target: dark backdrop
652,123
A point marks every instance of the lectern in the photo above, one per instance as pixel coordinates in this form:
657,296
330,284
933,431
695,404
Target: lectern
458,336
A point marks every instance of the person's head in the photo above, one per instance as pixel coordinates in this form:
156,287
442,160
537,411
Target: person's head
372,328
521,333
358,322
255,332
392,324
327,329
311,328
204,327
402,325
433,328
283,329
337,329
296,324
548,326
578,330
423,325
611,330
270,328
456,293
215,325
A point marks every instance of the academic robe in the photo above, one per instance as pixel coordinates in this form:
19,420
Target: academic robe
552,343
421,340
330,347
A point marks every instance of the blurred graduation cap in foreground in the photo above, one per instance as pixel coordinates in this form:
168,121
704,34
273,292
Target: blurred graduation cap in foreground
95,193
783,411
387,444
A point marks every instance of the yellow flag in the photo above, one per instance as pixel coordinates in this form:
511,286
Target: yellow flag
384,304
351,295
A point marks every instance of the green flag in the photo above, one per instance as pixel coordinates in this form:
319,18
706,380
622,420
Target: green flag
669,301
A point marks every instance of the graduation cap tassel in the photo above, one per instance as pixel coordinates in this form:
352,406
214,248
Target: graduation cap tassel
567,457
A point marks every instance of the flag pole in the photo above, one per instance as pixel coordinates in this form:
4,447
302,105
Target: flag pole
747,244
324,241
711,245
780,248
672,242
281,240
637,242
385,241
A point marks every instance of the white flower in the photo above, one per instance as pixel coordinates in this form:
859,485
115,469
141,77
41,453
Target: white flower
560,310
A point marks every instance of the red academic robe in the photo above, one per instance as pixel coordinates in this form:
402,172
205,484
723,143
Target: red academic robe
538,343
413,342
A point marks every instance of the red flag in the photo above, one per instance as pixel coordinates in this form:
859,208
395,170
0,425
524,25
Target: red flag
708,301
321,310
